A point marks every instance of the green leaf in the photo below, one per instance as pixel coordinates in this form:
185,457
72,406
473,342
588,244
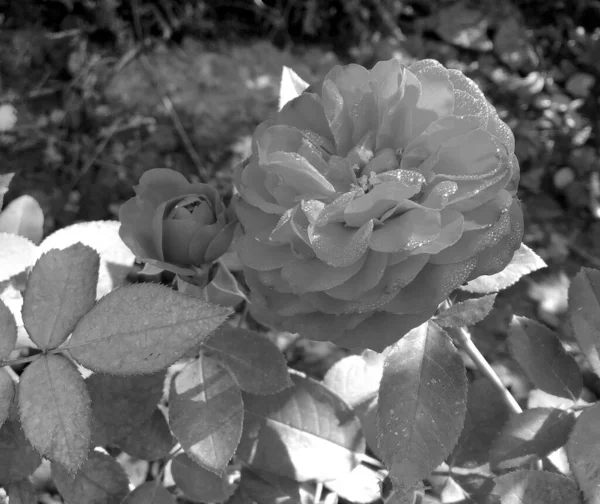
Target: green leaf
142,328
60,290
151,441
524,261
533,433
206,412
264,488
467,312
535,487
22,492
150,492
291,86
360,486
19,459
101,480
54,406
121,404
16,255
306,432
197,483
23,217
584,313
255,362
223,289
8,331
583,448
422,404
7,394
4,183
540,353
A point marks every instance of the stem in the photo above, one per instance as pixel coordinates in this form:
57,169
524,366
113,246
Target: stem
21,360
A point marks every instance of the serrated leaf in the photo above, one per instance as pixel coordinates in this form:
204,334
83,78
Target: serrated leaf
306,432
8,331
206,412
541,355
4,183
151,441
142,328
61,289
255,362
101,480
291,86
150,493
466,313
360,486
22,492
535,487
584,314
197,483
16,255
54,407
531,434
524,261
7,394
116,259
24,217
422,404
19,459
583,448
121,404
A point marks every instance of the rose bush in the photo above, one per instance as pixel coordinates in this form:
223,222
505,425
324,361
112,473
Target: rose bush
174,224
370,198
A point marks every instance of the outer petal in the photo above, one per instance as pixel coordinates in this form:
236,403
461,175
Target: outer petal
410,230
250,180
136,228
306,114
255,222
339,245
261,257
220,243
160,184
366,279
176,237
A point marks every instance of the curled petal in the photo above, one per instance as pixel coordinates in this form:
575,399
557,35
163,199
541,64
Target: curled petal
339,245
513,183
340,174
199,243
500,130
255,222
306,113
250,180
136,228
176,237
220,243
366,279
161,184
335,211
261,257
403,273
436,196
484,216
474,193
410,230
452,224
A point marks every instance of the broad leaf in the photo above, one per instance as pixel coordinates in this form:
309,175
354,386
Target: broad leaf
584,313
291,86
22,492
264,488
583,448
150,493
24,217
101,480
422,404
16,255
206,413
541,355
8,331
306,432
533,433
142,328
4,183
7,394
150,441
524,261
121,404
54,405
467,312
359,486
61,289
255,362
19,459
197,483
535,487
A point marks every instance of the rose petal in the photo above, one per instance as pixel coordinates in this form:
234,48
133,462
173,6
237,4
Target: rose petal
410,230
401,274
474,193
484,216
306,113
452,223
367,278
466,104
220,243
176,236
250,181
136,229
340,174
161,184
199,243
500,130
323,327
335,211
436,196
255,222
261,257
339,245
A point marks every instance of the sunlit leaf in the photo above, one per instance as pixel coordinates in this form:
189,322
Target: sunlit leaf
16,255
19,459
535,487
22,492
291,87
7,394
467,312
150,492
8,331
142,328
152,440
360,486
54,405
258,487
422,404
197,483
24,217
5,180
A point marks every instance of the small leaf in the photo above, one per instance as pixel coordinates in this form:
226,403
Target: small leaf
206,413
466,313
359,486
142,328
291,87
101,480
61,288
16,255
540,353
23,217
524,261
533,433
120,404
54,406
422,404
584,313
255,362
223,289
151,441
7,394
150,492
4,183
22,492
582,449
19,459
535,487
8,331
306,432
197,483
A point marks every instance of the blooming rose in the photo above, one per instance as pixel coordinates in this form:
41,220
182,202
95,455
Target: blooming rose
366,202
175,225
